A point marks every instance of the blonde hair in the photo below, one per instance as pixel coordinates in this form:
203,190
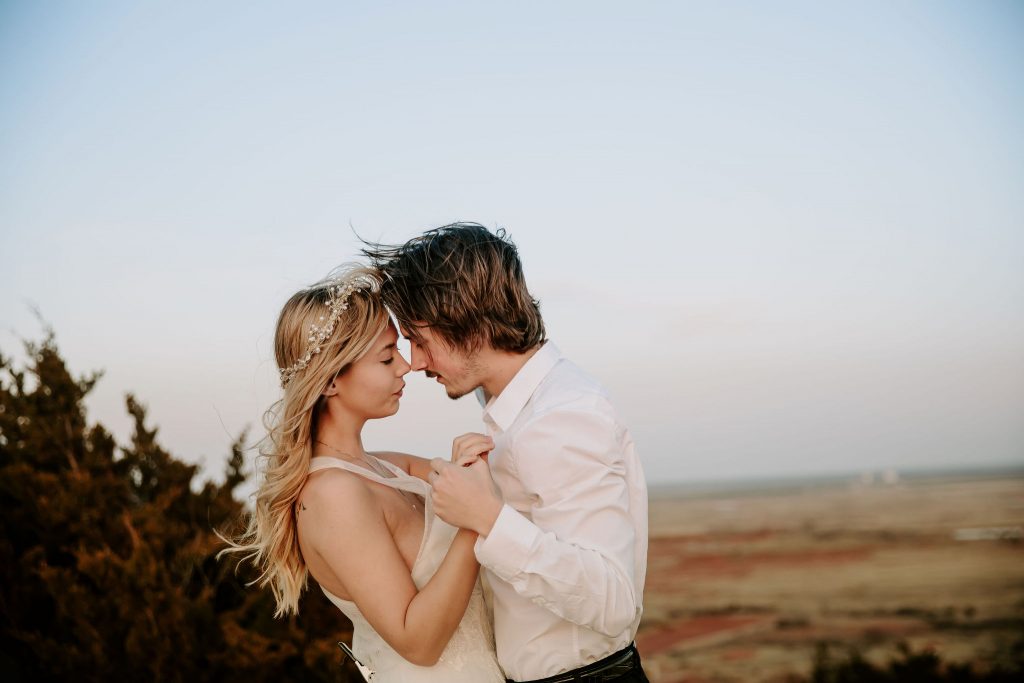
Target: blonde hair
270,540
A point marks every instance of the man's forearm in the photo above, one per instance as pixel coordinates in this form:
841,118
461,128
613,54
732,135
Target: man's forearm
582,585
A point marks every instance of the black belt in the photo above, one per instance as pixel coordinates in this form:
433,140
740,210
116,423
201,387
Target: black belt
607,669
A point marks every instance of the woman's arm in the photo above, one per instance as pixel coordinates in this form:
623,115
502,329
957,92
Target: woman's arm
410,464
470,445
344,523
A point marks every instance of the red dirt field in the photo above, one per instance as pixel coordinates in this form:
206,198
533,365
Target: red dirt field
742,588
699,631
741,565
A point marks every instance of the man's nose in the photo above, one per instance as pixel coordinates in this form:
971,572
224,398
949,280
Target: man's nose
418,359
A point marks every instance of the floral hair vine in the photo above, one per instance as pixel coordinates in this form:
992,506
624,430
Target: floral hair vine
337,303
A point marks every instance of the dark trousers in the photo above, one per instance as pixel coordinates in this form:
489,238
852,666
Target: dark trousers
637,675
620,667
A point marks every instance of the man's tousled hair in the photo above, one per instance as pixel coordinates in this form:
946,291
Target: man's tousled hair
464,282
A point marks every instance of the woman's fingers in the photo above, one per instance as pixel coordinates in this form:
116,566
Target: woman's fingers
462,441
471,445
467,460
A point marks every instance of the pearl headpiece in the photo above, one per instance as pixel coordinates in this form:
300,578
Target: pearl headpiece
339,293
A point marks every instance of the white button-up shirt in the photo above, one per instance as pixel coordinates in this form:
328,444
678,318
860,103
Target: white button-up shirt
567,557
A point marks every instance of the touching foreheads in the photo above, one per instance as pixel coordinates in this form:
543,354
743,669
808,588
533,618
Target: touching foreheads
464,282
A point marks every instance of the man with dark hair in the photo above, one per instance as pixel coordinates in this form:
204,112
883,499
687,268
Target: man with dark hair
561,510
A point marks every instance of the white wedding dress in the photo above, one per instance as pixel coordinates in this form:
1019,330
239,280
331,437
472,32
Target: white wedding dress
469,656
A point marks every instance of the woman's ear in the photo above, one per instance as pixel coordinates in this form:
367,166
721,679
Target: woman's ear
331,390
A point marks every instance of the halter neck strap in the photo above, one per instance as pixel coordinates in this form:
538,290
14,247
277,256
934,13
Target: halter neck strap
401,479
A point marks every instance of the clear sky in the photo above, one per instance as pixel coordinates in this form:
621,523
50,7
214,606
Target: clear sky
789,237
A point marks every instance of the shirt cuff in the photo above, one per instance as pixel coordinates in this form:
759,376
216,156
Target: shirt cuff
506,549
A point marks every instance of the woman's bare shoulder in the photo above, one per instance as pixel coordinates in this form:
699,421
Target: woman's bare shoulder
334,491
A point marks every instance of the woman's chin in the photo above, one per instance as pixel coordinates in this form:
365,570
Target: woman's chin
389,410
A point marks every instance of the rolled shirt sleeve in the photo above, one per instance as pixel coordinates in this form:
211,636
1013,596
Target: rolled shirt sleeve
571,550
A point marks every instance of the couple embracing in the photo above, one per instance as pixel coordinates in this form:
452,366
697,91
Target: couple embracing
550,502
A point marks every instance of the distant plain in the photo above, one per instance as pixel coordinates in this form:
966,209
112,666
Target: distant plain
745,581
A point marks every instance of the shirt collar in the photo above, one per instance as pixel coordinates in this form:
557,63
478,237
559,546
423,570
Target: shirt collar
506,406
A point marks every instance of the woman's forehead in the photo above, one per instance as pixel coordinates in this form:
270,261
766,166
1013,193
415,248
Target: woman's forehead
388,336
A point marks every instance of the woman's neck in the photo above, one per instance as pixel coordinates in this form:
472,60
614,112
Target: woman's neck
339,435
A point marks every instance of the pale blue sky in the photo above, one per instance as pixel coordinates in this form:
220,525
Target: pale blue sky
788,237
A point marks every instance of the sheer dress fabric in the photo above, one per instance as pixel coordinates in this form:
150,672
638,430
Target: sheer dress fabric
469,656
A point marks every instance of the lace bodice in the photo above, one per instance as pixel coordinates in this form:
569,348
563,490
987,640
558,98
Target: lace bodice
469,656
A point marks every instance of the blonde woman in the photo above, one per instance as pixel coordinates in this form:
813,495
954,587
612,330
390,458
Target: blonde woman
362,524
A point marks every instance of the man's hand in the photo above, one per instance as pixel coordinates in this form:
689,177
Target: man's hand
465,495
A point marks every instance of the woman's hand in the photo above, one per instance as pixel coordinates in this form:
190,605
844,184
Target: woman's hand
465,494
470,447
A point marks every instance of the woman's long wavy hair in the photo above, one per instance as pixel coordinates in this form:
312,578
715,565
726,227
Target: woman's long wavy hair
270,540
